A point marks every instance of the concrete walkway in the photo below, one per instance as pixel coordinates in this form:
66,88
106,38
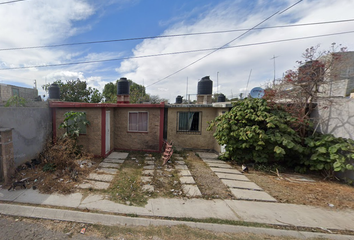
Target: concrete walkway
196,208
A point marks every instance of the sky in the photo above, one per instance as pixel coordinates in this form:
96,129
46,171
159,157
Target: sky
230,51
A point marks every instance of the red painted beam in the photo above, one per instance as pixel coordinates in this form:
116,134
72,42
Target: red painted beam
162,115
102,105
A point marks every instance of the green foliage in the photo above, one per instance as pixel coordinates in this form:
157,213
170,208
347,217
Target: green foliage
16,101
254,131
49,167
329,154
77,91
75,123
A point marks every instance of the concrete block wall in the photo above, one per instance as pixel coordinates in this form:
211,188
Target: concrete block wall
91,141
6,155
202,140
26,93
123,139
32,127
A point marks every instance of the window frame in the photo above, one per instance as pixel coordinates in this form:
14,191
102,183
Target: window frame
189,131
147,122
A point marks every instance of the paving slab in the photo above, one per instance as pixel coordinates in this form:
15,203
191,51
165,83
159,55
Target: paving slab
149,158
184,173
180,162
146,179
10,195
178,158
219,165
195,208
181,167
98,202
149,167
187,180
150,162
101,177
109,165
113,160
34,197
206,155
118,155
212,161
107,170
229,176
148,188
191,190
225,170
252,195
291,214
241,184
148,172
94,185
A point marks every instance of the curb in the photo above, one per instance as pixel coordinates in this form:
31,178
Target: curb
114,220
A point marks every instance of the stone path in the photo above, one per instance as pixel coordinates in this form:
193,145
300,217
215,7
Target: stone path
148,173
189,186
240,186
104,174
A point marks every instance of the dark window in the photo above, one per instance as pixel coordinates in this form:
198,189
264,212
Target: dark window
188,122
82,127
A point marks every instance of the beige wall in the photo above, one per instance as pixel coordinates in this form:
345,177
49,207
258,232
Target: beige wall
26,93
91,141
136,140
204,140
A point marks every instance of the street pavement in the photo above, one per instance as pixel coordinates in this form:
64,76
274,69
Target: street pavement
108,212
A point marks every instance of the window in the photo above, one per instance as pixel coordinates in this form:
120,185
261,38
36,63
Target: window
15,92
188,122
77,120
138,121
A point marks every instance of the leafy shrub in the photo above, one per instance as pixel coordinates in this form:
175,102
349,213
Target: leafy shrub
328,154
16,101
254,131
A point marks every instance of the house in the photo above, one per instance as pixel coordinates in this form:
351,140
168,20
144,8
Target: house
143,127
8,91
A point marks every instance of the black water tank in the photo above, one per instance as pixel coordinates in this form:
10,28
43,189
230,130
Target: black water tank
205,86
123,87
221,98
179,99
54,91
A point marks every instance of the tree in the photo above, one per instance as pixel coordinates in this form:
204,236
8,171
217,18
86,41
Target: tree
76,91
137,93
300,89
253,130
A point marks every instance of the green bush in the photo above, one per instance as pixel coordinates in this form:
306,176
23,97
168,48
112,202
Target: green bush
253,131
328,154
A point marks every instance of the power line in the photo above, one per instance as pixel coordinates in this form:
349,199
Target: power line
172,35
181,52
199,59
1,3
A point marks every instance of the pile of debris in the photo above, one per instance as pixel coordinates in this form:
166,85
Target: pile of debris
57,169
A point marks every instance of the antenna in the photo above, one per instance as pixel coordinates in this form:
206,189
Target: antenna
217,82
187,89
274,57
249,77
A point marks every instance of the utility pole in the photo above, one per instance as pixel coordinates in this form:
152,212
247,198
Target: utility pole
273,58
217,82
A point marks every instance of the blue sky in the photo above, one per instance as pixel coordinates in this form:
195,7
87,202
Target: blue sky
42,22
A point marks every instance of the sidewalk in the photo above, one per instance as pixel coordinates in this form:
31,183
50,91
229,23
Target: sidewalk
196,208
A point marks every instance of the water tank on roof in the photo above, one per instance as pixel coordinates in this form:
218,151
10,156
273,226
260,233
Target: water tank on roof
123,87
205,86
179,99
54,91
221,98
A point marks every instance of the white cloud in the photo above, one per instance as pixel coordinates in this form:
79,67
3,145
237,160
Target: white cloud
235,64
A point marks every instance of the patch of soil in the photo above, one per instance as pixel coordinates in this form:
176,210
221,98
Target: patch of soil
332,195
208,183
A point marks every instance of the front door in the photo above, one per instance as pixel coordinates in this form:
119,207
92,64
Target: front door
108,131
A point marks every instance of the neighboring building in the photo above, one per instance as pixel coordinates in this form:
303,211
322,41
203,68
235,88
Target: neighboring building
8,91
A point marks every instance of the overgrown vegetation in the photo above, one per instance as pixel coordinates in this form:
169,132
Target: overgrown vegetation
16,101
256,131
